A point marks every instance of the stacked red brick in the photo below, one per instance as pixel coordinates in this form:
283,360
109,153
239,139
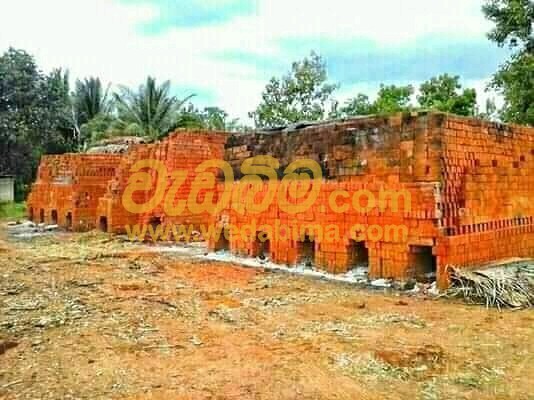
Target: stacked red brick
374,154
68,188
488,175
471,185
183,150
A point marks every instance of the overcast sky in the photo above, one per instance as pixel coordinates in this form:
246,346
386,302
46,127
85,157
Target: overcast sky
226,50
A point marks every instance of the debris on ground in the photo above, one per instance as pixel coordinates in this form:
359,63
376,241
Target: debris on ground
91,316
29,230
505,287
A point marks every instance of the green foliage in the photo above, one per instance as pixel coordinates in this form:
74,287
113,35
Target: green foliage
151,109
301,95
215,118
515,80
90,99
211,118
13,211
97,128
189,117
359,105
393,99
389,99
35,114
90,108
444,93
514,21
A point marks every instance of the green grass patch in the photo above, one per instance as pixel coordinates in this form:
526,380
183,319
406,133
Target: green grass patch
12,210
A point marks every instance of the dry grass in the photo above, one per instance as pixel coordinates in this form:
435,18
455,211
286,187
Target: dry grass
94,317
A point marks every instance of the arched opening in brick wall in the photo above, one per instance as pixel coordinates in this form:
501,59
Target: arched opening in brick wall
103,224
262,246
358,255
423,263
154,222
68,220
306,251
223,243
42,216
30,214
53,217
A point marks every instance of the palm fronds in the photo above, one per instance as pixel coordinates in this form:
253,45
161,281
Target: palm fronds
90,99
151,107
511,287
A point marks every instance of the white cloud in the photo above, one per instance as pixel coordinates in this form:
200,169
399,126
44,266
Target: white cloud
101,37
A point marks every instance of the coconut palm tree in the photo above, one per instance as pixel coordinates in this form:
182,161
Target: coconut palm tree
88,102
151,108
90,99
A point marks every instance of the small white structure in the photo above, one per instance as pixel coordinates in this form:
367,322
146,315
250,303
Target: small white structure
7,188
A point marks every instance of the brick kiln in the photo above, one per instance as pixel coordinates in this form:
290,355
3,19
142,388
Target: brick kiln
182,150
469,184
68,188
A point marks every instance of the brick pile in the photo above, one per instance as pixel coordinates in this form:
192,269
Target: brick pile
470,184
373,154
488,175
181,151
68,188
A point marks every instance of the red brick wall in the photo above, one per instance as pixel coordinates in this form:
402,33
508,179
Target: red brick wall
182,150
470,182
471,185
488,175
71,184
399,153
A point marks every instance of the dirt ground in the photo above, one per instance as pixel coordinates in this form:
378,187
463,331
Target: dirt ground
90,317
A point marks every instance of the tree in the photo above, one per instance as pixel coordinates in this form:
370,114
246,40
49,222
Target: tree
91,108
359,105
189,117
215,118
390,99
151,109
444,93
34,114
393,99
301,95
515,80
514,21
90,99
210,118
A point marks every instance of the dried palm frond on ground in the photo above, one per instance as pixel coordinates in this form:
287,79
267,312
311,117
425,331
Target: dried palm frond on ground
504,287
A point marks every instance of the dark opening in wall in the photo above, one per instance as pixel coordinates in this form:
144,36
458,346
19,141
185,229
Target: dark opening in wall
53,217
103,224
42,216
423,262
358,254
306,251
154,222
262,245
223,243
30,214
68,220
494,163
